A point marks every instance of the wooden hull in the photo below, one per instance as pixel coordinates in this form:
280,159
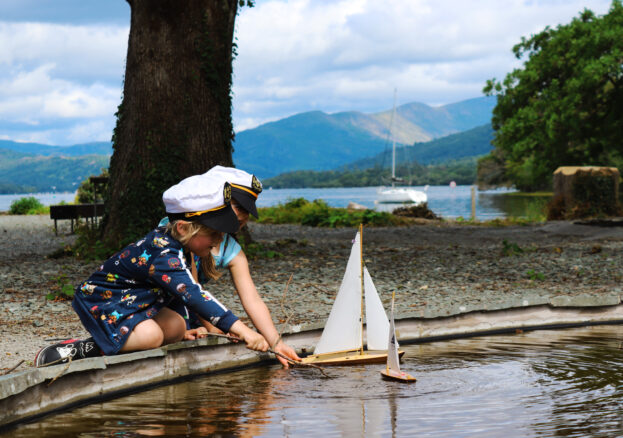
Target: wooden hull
348,357
397,375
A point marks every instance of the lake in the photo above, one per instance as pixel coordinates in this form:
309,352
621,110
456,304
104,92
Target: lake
445,201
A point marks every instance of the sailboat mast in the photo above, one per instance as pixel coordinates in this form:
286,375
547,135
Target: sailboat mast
391,130
362,290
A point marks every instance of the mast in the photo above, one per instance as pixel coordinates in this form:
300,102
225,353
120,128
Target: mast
391,128
362,290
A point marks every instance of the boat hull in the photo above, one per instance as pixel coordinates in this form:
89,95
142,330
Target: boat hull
401,195
348,358
397,375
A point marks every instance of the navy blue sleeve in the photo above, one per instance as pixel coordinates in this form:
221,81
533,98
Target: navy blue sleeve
172,274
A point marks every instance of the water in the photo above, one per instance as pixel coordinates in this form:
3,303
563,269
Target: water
543,383
445,201
44,198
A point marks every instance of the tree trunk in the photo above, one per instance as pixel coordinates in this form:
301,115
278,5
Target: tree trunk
175,117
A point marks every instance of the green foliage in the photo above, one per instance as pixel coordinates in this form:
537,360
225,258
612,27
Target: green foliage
565,106
28,205
534,275
63,289
318,214
86,192
510,248
89,245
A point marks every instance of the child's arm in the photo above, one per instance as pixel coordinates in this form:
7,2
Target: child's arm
256,308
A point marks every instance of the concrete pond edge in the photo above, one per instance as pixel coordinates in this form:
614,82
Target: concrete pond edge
33,393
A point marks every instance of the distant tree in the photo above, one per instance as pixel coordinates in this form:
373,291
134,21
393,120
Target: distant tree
175,117
565,106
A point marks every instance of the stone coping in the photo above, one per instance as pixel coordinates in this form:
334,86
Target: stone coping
35,392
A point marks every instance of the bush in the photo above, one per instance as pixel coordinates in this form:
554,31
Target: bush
319,214
86,191
28,205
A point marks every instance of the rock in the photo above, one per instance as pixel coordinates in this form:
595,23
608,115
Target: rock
354,206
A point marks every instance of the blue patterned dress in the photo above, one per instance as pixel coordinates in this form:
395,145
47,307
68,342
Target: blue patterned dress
134,284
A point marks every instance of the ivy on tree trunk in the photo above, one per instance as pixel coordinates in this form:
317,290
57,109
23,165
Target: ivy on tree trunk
175,117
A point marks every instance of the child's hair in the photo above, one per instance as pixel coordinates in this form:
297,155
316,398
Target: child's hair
207,263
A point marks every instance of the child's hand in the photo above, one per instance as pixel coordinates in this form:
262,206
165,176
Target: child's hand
196,333
286,350
253,339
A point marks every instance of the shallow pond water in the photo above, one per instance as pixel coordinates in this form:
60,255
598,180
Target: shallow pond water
533,384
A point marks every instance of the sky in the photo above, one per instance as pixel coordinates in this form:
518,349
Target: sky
62,61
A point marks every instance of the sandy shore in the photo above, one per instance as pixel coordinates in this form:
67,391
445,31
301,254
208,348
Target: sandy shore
438,268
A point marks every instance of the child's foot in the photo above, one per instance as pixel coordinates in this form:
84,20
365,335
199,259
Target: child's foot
70,349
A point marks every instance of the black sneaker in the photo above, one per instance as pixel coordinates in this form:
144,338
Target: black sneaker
62,352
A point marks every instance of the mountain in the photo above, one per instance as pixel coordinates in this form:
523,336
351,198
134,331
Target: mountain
97,148
27,172
319,141
306,141
471,143
312,140
439,161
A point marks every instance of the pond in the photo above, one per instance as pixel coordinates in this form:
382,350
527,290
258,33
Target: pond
541,383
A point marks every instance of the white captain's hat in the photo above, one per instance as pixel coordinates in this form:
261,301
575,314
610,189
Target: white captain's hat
245,188
202,198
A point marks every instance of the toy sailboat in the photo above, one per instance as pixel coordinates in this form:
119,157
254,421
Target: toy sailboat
341,342
392,369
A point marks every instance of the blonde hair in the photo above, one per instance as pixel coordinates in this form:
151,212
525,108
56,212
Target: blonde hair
190,229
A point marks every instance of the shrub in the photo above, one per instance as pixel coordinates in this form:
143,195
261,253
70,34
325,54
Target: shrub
318,214
28,205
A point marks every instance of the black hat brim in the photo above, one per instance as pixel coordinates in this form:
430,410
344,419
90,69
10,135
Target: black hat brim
245,199
223,220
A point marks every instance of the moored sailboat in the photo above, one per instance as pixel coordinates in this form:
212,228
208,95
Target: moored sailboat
393,194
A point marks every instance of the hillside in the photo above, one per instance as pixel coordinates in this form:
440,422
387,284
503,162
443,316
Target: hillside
470,143
95,148
461,171
320,141
307,141
25,173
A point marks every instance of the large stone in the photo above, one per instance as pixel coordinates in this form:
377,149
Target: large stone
583,191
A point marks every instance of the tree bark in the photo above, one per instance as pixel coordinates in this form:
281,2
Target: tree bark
175,117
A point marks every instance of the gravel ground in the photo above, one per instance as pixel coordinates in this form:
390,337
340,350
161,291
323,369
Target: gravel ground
432,266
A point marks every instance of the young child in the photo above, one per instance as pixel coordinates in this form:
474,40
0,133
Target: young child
245,189
123,304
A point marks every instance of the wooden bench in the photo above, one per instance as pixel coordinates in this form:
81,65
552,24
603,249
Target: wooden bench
74,212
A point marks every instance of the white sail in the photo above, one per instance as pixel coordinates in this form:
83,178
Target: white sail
393,363
377,325
343,328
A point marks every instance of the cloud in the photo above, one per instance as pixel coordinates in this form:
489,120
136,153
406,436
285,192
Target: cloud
62,63
351,54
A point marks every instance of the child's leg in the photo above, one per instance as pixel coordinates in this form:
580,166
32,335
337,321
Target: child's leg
165,328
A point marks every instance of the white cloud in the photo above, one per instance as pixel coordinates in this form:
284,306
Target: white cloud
351,54
62,83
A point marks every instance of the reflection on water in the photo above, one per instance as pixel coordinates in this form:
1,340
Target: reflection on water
544,383
515,204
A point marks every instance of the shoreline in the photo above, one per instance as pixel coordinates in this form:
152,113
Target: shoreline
437,269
